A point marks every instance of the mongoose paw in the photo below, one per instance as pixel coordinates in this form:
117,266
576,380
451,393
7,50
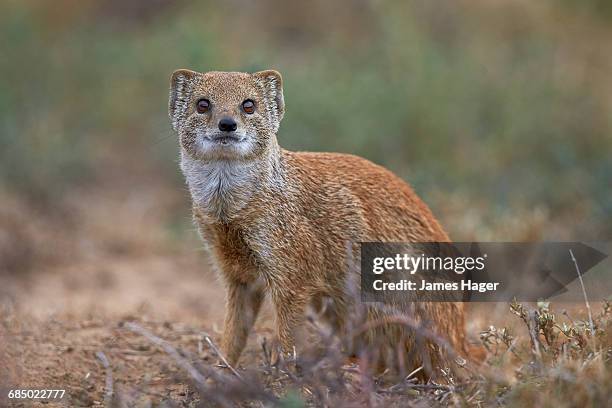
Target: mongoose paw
281,356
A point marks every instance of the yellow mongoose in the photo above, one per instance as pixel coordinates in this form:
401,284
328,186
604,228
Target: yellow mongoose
278,222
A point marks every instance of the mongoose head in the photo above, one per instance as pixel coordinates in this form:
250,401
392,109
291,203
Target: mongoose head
226,115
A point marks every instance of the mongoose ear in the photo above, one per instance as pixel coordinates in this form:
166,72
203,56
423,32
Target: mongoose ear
271,83
180,95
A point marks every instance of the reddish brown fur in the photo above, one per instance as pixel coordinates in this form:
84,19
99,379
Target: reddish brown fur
287,227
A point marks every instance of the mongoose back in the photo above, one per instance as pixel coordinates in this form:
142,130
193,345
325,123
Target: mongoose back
279,223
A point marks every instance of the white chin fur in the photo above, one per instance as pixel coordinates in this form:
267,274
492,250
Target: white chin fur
218,186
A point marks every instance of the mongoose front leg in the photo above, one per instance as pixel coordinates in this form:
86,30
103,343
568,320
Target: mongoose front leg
243,304
290,309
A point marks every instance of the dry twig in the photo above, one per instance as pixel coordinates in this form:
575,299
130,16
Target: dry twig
183,363
586,299
108,386
221,356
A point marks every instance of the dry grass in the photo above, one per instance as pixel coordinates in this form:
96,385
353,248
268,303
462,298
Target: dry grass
554,360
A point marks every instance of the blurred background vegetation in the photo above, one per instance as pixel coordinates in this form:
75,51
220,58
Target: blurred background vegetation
499,113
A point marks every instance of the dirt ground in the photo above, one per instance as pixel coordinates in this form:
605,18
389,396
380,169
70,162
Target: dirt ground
54,322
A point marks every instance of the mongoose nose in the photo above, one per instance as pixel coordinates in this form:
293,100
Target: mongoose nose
227,125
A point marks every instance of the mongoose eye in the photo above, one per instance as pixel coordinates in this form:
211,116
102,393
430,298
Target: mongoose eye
203,105
248,106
